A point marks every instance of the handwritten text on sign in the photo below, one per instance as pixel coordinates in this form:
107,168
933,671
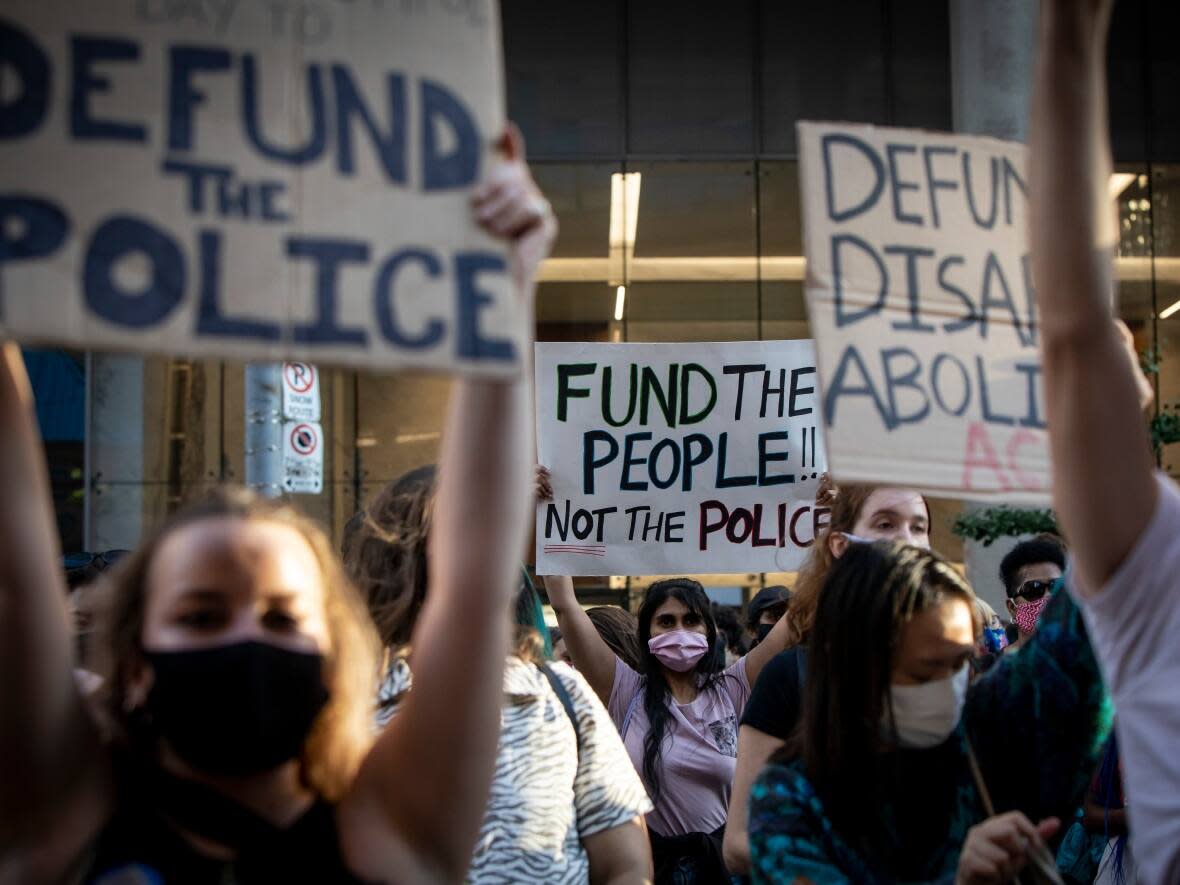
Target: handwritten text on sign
667,458
921,303
257,180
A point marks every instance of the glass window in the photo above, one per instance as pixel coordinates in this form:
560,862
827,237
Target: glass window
690,88
563,67
820,61
920,62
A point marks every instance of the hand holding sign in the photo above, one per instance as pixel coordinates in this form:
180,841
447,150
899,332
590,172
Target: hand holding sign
509,205
263,194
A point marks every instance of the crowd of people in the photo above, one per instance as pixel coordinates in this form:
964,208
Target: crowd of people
237,701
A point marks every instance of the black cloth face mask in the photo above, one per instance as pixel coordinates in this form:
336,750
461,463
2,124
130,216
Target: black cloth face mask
763,630
235,709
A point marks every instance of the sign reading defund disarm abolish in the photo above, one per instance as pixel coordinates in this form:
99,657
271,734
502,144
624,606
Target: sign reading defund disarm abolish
253,179
922,309
678,458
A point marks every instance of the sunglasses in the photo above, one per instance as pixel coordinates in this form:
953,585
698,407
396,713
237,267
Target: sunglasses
1033,589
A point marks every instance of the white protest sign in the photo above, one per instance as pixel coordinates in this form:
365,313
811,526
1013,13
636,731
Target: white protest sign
255,180
920,298
301,392
678,459
303,458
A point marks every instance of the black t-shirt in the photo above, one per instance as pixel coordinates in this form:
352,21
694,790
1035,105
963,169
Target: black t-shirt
776,702
140,845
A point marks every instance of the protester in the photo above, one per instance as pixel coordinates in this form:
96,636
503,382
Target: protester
238,691
1028,571
565,804
559,650
677,714
765,610
857,511
1121,517
877,785
992,637
730,635
620,630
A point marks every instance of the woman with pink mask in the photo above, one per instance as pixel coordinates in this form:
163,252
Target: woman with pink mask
678,715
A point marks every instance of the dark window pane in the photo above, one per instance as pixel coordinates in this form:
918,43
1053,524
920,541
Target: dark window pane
690,87
563,66
1165,74
1126,61
920,54
820,61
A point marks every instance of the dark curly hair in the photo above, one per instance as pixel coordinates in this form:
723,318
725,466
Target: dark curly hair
1042,548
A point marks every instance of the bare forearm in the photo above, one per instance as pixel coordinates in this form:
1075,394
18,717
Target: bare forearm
1071,213
1102,483
39,707
589,651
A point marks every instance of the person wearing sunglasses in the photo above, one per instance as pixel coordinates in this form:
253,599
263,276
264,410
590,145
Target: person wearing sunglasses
1028,572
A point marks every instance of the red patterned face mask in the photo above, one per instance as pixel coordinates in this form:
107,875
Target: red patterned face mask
1027,613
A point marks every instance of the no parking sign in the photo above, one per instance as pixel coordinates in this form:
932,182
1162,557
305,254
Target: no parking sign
301,392
303,458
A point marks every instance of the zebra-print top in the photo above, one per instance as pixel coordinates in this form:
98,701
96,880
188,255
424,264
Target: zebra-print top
548,793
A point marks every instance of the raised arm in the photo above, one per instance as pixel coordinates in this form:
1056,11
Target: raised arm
431,770
589,652
754,748
1102,469
776,641
48,746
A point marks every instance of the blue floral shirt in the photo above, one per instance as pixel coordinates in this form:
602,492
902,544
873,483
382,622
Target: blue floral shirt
1037,721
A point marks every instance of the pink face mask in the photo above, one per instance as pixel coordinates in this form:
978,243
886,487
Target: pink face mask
1027,613
679,650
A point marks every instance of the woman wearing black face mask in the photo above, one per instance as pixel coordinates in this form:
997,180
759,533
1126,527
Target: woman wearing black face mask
877,784
237,742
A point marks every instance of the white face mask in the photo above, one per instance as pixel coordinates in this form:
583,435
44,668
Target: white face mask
926,714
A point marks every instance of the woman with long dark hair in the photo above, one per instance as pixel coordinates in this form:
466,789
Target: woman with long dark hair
858,510
678,714
900,772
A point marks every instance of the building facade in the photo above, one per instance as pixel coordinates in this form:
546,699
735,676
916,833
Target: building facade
684,113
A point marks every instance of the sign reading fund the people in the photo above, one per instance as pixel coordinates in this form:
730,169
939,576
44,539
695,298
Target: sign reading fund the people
678,458
921,304
254,179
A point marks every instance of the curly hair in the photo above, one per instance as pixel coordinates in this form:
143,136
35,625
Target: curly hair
342,733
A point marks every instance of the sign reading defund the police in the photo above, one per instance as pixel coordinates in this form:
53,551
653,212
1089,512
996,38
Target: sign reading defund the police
921,304
676,458
254,179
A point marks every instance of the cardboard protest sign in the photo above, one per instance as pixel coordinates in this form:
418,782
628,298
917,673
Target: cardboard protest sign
668,458
257,180
920,298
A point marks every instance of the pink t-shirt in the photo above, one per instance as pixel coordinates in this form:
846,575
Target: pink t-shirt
1135,627
699,752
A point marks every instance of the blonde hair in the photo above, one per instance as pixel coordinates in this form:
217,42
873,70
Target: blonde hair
342,733
847,509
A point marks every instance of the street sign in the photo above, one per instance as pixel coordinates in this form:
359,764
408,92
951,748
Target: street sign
301,392
303,458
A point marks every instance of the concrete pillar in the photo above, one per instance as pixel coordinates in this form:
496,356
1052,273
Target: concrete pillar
992,46
992,43
115,453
